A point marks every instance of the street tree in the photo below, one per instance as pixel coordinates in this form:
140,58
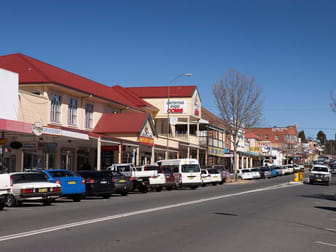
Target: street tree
321,137
240,106
302,136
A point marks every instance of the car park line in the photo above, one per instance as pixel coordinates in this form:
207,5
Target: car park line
144,211
326,243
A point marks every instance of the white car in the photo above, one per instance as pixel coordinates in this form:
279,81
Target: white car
255,173
244,174
206,177
216,176
158,181
320,174
26,186
4,189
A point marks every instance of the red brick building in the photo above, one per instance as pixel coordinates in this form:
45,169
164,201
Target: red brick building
284,138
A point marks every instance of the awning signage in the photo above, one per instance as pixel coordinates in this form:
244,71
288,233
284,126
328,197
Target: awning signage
146,140
66,133
147,131
216,151
52,131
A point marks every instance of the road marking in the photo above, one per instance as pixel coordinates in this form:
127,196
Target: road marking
124,215
330,229
325,243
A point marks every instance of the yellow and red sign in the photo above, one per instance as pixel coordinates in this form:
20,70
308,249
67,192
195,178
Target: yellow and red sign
146,140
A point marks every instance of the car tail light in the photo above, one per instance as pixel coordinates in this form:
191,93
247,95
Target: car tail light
28,190
132,179
89,181
11,181
83,181
154,176
58,181
57,189
180,177
112,180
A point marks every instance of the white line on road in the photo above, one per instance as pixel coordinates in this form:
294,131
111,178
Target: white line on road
325,243
124,215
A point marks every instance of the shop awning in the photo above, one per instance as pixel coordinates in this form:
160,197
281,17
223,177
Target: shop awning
15,126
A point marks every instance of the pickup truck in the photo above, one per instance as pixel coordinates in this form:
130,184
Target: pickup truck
139,177
4,189
320,174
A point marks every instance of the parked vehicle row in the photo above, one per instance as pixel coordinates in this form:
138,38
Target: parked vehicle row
267,171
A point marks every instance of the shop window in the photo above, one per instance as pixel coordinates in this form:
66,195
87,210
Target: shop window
89,116
276,137
72,111
55,109
266,136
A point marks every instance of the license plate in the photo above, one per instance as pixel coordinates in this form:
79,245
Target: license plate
103,182
122,181
43,190
71,182
215,176
318,179
191,177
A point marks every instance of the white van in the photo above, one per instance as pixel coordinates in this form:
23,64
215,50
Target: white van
187,172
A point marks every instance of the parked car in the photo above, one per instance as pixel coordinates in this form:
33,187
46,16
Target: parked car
158,181
265,172
222,170
244,174
31,186
139,176
98,183
122,184
187,172
170,178
73,186
255,173
274,172
206,177
320,174
216,176
4,189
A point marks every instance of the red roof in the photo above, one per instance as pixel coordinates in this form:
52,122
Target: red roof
111,123
162,92
127,94
31,70
251,135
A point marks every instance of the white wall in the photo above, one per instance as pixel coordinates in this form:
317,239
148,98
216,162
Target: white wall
9,88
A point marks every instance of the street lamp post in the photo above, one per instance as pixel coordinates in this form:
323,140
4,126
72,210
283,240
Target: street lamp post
168,102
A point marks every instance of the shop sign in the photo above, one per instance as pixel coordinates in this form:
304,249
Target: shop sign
196,106
216,151
77,135
29,146
37,129
173,120
146,140
3,141
52,131
254,149
175,107
147,131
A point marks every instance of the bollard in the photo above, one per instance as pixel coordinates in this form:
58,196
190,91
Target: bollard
296,177
300,176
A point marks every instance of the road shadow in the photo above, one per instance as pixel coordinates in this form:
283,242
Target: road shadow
226,214
326,208
320,196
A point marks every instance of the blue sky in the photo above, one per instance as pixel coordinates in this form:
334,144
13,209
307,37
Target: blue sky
287,45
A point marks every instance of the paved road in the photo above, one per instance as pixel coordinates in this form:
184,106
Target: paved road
266,215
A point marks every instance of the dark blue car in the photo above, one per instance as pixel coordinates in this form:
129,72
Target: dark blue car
73,186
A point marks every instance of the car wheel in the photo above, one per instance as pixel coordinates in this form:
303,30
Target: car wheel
214,184
124,193
221,183
169,188
47,202
11,201
106,196
193,187
159,189
77,198
2,205
143,189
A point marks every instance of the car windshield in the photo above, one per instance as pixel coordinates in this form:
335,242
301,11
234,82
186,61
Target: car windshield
151,168
190,168
254,170
95,174
116,173
320,169
245,171
124,168
166,169
28,177
213,171
58,174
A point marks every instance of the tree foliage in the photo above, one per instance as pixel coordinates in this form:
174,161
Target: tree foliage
302,136
239,102
321,137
